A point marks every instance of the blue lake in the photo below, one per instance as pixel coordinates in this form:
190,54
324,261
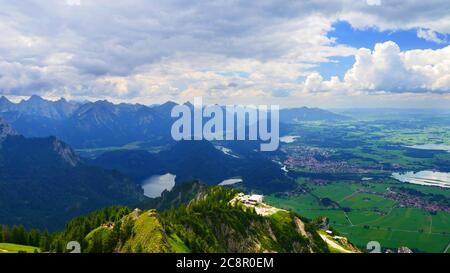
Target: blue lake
156,184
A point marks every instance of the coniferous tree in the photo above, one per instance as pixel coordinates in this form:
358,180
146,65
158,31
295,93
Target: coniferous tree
97,245
44,242
6,234
19,235
1,234
34,237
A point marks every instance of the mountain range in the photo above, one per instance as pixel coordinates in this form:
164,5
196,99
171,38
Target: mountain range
43,183
104,124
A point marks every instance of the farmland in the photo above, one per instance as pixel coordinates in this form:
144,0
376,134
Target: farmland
344,172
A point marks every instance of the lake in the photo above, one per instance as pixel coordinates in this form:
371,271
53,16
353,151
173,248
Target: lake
230,181
288,139
156,184
431,147
426,178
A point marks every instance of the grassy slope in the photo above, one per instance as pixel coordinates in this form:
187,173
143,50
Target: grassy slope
14,248
210,224
148,235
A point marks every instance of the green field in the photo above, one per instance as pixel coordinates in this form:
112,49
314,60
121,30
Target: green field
371,217
14,248
372,145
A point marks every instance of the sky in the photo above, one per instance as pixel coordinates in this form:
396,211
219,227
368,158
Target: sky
324,53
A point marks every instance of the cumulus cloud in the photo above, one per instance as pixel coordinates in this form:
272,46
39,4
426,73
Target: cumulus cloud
388,69
159,50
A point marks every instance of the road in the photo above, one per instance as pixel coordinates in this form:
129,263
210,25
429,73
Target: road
446,249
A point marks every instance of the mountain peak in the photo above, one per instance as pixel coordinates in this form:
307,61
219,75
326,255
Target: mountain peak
4,99
170,102
35,98
188,104
167,106
5,104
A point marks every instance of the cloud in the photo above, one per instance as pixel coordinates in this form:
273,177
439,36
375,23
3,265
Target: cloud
398,14
429,35
388,69
73,2
373,2
156,50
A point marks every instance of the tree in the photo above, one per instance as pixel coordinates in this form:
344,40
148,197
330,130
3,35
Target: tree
97,245
139,248
19,235
6,236
44,242
34,237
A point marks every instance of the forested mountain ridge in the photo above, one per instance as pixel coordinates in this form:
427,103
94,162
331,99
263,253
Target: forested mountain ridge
43,183
199,160
209,223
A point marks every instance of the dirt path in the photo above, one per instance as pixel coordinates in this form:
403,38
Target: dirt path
333,244
348,219
349,196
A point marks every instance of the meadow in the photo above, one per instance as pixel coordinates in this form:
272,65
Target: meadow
14,248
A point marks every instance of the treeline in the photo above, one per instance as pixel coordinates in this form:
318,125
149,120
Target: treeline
75,230
78,228
19,235
209,223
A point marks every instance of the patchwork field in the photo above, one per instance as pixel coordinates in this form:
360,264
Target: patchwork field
345,170
365,217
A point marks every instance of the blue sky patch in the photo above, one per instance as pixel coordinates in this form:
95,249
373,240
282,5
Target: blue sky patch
405,39
336,67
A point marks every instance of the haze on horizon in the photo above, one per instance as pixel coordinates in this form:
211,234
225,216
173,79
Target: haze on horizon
331,54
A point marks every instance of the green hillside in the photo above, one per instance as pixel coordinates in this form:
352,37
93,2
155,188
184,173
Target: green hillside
15,248
209,223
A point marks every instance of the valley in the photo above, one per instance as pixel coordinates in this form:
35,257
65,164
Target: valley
344,172
351,167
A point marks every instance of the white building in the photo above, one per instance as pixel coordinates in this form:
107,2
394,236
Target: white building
256,198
